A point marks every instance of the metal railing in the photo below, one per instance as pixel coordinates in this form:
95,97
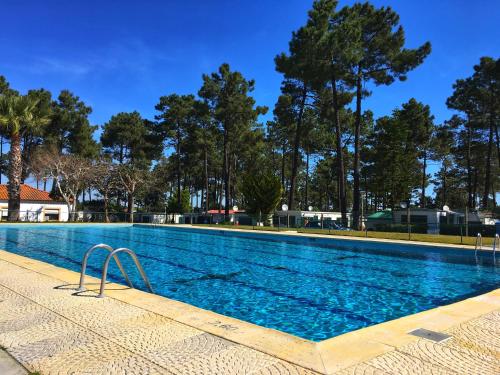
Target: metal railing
53,216
496,243
479,243
137,264
81,286
113,254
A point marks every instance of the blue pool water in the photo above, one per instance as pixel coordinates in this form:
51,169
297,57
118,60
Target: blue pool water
312,288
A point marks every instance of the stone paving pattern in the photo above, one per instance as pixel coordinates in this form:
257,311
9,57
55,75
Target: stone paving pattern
51,331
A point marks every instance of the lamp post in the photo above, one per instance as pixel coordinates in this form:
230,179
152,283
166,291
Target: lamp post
306,221
363,221
406,205
284,208
446,210
235,209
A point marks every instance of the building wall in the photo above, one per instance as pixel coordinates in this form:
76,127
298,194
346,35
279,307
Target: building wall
336,216
433,218
36,211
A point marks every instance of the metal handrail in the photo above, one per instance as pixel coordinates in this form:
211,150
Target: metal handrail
496,243
137,264
479,241
81,287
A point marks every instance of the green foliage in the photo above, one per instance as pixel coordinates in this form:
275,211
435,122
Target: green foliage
394,151
185,205
477,99
69,129
21,114
226,94
127,137
261,193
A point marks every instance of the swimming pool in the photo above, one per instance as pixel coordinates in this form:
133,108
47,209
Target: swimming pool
309,287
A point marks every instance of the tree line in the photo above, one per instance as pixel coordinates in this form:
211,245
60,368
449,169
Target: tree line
322,148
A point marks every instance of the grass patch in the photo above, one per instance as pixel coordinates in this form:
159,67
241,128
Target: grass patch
436,238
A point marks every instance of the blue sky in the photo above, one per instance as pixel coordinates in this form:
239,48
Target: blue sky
123,55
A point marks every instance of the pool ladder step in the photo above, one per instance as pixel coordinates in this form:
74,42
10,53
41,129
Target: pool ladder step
113,254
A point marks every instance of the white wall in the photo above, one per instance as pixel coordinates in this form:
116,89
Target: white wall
35,211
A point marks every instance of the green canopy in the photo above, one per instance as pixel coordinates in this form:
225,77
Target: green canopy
381,215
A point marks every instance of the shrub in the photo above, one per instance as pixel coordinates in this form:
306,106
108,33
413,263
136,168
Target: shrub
261,194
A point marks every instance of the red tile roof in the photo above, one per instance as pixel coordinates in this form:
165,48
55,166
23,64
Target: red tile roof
28,193
212,212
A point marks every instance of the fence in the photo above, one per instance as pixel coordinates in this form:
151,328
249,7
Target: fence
40,216
279,222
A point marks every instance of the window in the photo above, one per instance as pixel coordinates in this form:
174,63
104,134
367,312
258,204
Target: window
415,219
51,215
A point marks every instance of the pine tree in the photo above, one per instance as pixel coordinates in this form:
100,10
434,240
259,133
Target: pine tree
227,95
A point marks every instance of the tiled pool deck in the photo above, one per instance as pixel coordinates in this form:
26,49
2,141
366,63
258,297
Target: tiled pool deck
51,331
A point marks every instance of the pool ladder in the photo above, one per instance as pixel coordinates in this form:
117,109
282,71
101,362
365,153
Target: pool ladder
113,254
479,243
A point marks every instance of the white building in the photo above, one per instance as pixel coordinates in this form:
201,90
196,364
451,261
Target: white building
296,217
36,205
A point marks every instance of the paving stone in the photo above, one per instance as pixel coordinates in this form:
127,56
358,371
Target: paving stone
50,330
399,363
236,359
462,361
362,369
283,368
476,337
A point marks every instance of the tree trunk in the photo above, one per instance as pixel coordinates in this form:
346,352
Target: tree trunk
220,188
106,207
497,142
306,198
296,147
474,189
1,156
207,190
424,180
444,183
15,172
178,150
225,173
229,202
469,168
283,160
130,207
487,177
340,157
70,211
357,136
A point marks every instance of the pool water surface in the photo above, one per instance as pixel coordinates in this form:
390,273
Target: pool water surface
314,289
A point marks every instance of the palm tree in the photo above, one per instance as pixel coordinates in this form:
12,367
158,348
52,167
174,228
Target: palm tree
18,114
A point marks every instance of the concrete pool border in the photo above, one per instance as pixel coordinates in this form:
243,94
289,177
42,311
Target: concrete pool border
326,356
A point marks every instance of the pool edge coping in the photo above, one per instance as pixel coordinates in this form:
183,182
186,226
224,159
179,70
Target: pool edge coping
294,233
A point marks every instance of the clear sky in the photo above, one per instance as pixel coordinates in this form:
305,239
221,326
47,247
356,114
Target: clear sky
123,55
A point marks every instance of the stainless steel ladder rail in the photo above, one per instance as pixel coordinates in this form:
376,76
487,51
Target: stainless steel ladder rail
479,242
496,243
137,264
81,287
